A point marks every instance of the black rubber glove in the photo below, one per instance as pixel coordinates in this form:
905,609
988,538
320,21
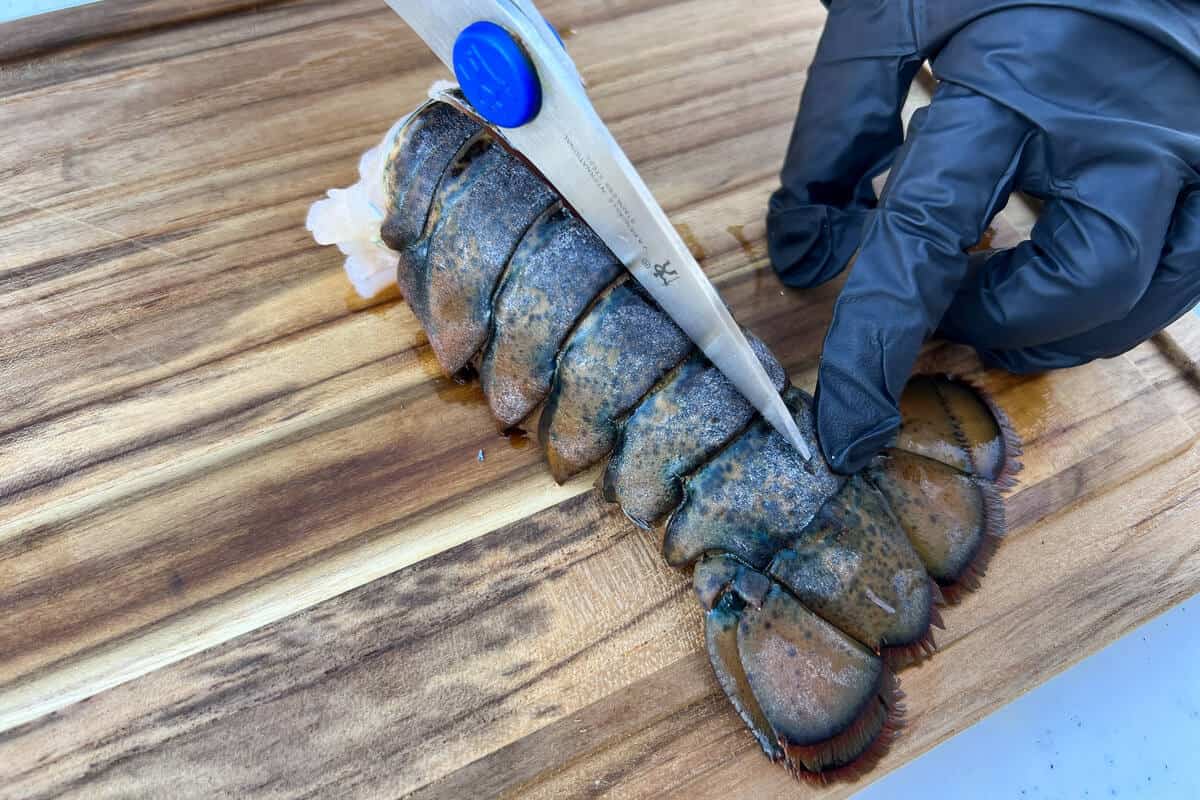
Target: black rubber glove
1095,110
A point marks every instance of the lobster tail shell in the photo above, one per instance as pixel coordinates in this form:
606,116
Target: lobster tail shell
952,422
484,205
617,354
811,582
424,147
754,496
854,566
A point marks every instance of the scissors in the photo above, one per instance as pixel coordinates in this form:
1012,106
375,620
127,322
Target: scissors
513,68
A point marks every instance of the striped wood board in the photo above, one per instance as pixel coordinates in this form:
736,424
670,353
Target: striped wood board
245,539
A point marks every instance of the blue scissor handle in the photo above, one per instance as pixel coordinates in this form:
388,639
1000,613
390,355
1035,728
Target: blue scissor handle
496,74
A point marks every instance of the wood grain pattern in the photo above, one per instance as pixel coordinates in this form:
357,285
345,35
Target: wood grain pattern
207,442
221,346
1171,361
559,656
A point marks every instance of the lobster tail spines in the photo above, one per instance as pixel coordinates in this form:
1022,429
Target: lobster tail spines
813,697
900,656
859,748
971,576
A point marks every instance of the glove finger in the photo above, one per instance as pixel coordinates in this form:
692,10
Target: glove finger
846,132
1087,263
1173,290
953,172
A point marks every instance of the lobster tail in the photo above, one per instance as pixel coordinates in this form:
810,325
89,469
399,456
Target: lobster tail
954,457
620,350
555,273
811,583
676,430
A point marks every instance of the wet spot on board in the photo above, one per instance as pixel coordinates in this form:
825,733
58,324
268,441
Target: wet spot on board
689,238
460,390
518,438
738,232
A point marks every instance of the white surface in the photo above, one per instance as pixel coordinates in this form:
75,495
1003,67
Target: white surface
1123,723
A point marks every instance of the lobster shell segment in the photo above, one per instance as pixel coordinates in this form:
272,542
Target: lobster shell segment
559,267
677,429
754,496
948,515
853,565
618,353
486,202
426,144
951,422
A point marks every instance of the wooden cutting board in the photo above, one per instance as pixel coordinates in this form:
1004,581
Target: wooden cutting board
247,541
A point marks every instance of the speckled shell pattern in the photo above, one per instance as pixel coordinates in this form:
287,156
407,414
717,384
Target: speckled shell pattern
814,585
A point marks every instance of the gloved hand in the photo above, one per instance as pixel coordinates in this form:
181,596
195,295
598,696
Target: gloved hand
1094,107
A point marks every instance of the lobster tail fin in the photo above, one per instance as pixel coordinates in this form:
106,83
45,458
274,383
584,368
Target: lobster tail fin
814,698
951,421
720,629
945,512
853,566
955,454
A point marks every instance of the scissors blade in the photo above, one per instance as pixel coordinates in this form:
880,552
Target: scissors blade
574,150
